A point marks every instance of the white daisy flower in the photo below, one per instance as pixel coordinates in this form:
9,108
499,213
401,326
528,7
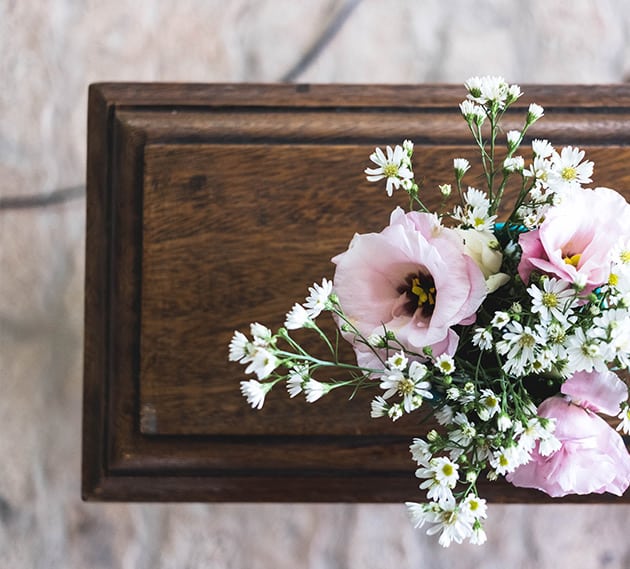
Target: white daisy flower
444,414
475,507
297,318
420,452
518,345
548,443
472,112
453,393
555,300
314,390
507,459
542,148
393,167
479,536
545,360
411,389
534,112
503,422
441,476
445,363
397,361
514,92
500,319
584,354
613,326
555,336
489,405
484,90
318,298
537,429
240,347
261,334
255,392
466,432
482,338
540,170
379,407
468,393
299,374
477,199
261,362
417,371
568,170
395,412
448,518
422,513
461,166
513,138
620,254
514,164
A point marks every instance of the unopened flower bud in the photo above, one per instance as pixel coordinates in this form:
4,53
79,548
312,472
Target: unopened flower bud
471,476
433,436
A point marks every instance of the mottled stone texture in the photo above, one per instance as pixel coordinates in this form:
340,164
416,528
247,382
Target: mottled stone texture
49,52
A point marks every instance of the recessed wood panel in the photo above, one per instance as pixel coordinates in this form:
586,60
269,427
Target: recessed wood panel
213,206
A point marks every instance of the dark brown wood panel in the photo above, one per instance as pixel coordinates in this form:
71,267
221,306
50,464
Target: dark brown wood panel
211,206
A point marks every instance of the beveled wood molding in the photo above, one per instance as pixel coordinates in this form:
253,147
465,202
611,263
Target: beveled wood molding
212,206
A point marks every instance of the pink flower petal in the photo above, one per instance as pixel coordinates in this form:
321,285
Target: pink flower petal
592,459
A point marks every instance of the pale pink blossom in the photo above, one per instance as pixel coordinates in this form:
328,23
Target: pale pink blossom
592,457
602,392
412,278
574,241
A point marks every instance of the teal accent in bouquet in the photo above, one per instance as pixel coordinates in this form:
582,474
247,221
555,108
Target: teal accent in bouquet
509,333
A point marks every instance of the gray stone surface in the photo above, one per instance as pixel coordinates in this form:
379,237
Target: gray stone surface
49,53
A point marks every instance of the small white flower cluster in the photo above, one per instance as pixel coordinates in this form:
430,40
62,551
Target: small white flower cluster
553,174
456,522
475,213
395,166
409,380
492,439
492,91
263,357
561,330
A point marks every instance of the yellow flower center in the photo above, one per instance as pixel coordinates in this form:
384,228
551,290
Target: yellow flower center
405,386
527,341
625,257
390,170
573,259
419,289
550,300
613,279
569,173
491,401
447,469
425,291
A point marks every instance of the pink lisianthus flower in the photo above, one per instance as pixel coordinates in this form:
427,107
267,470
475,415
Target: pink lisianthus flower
412,278
592,457
574,241
602,392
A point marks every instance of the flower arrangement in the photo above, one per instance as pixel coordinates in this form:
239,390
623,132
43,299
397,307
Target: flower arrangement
508,332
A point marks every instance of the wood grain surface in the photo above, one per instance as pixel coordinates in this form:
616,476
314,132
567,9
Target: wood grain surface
212,206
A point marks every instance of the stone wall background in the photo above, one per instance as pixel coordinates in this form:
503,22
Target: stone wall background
49,52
